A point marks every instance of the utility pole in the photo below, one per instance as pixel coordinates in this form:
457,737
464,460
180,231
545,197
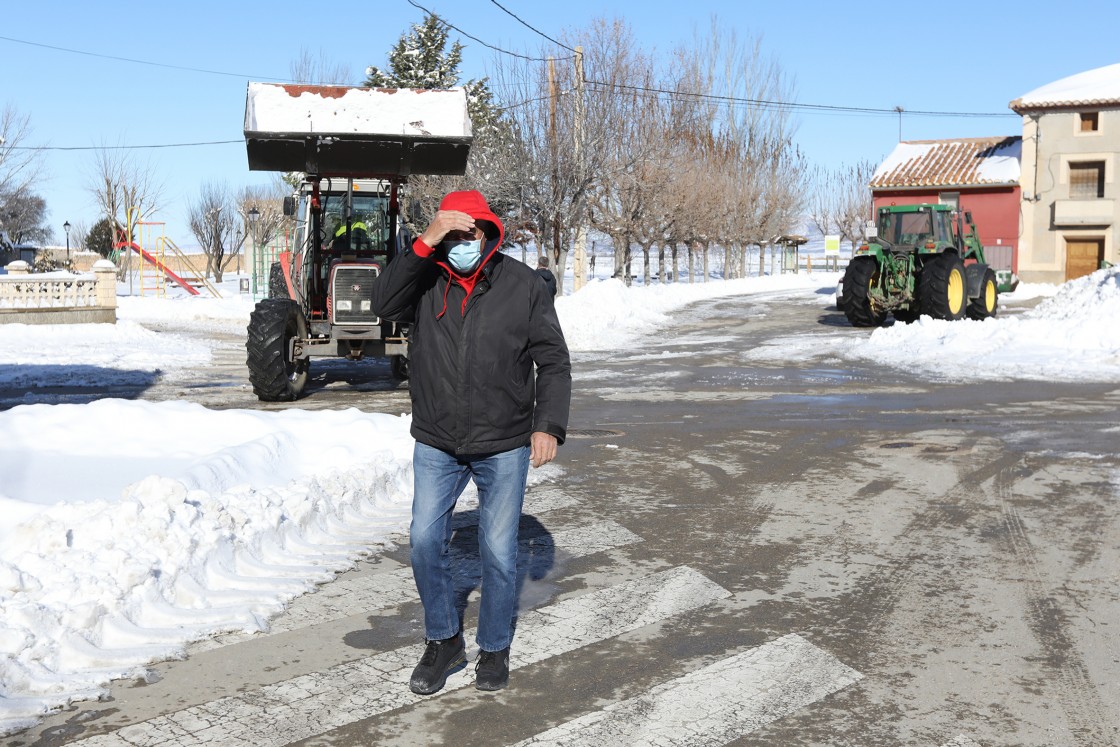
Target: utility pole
579,268
553,149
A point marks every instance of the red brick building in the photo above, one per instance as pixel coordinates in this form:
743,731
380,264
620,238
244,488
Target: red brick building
980,175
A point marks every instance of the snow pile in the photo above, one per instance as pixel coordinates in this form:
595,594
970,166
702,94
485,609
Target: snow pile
132,528
605,314
234,309
1071,336
45,355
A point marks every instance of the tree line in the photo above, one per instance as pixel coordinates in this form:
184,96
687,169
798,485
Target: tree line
687,161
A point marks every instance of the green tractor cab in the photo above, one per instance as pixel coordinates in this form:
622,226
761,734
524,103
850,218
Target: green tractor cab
920,260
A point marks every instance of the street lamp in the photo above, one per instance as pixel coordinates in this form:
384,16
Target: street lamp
66,228
254,216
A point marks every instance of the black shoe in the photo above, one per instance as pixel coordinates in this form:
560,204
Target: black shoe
492,670
440,659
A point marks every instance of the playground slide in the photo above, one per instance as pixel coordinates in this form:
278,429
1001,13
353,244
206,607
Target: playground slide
161,267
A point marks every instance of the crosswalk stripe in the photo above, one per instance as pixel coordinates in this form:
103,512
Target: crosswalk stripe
713,705
371,592
315,703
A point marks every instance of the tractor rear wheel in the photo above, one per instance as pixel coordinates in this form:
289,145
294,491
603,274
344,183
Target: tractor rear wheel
942,291
398,364
984,305
859,306
275,377
277,285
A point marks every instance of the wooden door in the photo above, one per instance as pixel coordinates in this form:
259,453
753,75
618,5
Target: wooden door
1083,256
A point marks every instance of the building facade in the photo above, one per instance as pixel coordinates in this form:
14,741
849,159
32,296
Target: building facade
1070,185
977,175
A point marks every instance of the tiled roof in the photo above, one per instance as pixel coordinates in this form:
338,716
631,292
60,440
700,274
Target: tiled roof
1097,88
982,161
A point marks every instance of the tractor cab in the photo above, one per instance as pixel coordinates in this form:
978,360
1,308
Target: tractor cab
923,227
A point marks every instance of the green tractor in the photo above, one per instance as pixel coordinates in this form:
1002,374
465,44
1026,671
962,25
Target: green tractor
921,260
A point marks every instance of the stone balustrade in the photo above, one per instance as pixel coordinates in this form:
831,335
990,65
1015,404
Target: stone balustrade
58,297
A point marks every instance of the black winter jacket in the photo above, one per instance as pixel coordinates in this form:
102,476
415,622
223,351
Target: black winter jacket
471,374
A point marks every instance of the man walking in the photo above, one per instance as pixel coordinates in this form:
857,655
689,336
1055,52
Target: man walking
546,274
490,381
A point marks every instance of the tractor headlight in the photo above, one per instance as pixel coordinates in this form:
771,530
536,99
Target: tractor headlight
344,306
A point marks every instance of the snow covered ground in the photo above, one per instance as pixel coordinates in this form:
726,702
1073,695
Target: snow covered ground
130,528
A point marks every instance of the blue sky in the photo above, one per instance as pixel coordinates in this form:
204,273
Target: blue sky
945,57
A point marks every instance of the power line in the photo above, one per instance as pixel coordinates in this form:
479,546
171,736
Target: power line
449,25
138,62
826,108
531,28
123,147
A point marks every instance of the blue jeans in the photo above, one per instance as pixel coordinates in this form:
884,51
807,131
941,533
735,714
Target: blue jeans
439,479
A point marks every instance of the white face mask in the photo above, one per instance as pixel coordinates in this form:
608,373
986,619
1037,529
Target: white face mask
463,256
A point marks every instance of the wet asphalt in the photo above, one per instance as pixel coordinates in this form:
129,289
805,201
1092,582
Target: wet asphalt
955,542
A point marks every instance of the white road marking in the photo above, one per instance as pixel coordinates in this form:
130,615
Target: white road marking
359,594
716,704
314,703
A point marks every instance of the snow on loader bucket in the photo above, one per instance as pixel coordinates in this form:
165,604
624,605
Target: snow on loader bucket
356,147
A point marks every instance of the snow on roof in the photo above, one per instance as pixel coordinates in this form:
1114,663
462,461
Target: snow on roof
985,161
280,108
1098,87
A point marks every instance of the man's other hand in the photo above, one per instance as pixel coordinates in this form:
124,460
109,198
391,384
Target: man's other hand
542,448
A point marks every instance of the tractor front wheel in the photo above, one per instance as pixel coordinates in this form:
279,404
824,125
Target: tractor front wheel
984,305
275,376
942,290
860,308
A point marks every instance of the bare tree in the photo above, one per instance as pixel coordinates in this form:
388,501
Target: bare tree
855,205
842,202
269,221
125,187
320,71
18,162
18,167
23,217
557,172
214,221
755,137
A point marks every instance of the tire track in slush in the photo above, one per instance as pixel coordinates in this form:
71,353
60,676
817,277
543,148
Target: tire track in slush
1087,715
868,607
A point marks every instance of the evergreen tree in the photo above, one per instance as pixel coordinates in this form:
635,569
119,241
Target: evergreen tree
420,59
100,238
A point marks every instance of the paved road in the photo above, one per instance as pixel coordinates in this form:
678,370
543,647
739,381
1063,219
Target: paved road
818,553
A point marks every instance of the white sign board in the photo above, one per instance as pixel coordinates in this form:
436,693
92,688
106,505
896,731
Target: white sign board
832,246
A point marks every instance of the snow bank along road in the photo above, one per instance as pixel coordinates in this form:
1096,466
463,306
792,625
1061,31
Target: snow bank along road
738,552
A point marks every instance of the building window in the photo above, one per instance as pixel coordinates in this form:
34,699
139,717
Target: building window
1086,180
1088,121
952,199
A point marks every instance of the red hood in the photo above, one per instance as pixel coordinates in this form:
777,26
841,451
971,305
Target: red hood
474,204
